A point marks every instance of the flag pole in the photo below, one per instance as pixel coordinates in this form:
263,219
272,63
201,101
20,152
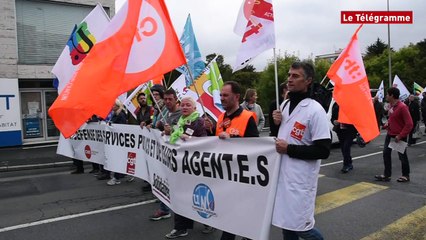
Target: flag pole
164,81
323,79
276,80
170,77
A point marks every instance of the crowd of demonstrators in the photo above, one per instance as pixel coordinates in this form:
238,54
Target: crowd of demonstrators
282,90
190,124
234,122
301,153
423,108
414,108
301,140
250,104
164,121
346,133
398,128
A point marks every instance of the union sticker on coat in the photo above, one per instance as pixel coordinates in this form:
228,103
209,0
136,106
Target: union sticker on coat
298,131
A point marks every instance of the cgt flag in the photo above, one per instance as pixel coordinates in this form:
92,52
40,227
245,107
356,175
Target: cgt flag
138,44
255,24
352,90
83,37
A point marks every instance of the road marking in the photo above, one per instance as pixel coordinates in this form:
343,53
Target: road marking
25,225
345,195
362,156
411,226
354,158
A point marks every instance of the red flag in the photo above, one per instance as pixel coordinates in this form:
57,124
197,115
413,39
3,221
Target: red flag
138,45
352,90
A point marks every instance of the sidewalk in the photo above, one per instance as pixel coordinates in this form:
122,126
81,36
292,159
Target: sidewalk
31,157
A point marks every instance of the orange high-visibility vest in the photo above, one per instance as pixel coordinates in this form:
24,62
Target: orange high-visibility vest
238,124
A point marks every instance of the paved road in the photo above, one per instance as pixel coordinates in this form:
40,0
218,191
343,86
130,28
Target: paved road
52,204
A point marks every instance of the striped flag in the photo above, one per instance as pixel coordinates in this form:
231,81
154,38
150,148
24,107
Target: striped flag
208,86
217,82
417,89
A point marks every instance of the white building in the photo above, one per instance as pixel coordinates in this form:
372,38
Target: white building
33,34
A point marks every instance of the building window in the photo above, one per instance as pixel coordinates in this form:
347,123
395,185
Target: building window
43,29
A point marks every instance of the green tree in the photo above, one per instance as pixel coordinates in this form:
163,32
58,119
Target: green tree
376,48
321,69
376,68
404,64
265,86
421,63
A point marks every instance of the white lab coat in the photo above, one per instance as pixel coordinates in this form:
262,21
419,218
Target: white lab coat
297,182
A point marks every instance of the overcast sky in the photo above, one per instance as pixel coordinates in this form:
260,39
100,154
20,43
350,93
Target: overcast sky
302,27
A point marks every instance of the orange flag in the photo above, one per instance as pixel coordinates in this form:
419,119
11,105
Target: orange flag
158,80
138,45
352,90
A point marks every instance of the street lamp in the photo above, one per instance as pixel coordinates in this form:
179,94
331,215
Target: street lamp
389,53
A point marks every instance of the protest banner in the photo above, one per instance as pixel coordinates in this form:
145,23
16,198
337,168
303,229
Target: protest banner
207,179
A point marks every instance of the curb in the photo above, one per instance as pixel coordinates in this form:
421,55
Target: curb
35,166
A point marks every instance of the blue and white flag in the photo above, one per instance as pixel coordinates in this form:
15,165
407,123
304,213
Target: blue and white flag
192,53
83,37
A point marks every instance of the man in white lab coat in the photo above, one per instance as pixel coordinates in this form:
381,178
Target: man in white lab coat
303,140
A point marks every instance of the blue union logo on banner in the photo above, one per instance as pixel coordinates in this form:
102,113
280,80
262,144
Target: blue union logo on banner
203,201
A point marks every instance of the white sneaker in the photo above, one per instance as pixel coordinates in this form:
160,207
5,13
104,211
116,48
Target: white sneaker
113,182
176,233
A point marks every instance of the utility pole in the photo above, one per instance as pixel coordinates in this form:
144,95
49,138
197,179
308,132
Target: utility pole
389,53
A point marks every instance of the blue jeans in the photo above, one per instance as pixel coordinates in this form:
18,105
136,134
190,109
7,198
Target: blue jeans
312,234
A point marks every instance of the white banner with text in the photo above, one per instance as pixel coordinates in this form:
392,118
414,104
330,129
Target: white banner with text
228,184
